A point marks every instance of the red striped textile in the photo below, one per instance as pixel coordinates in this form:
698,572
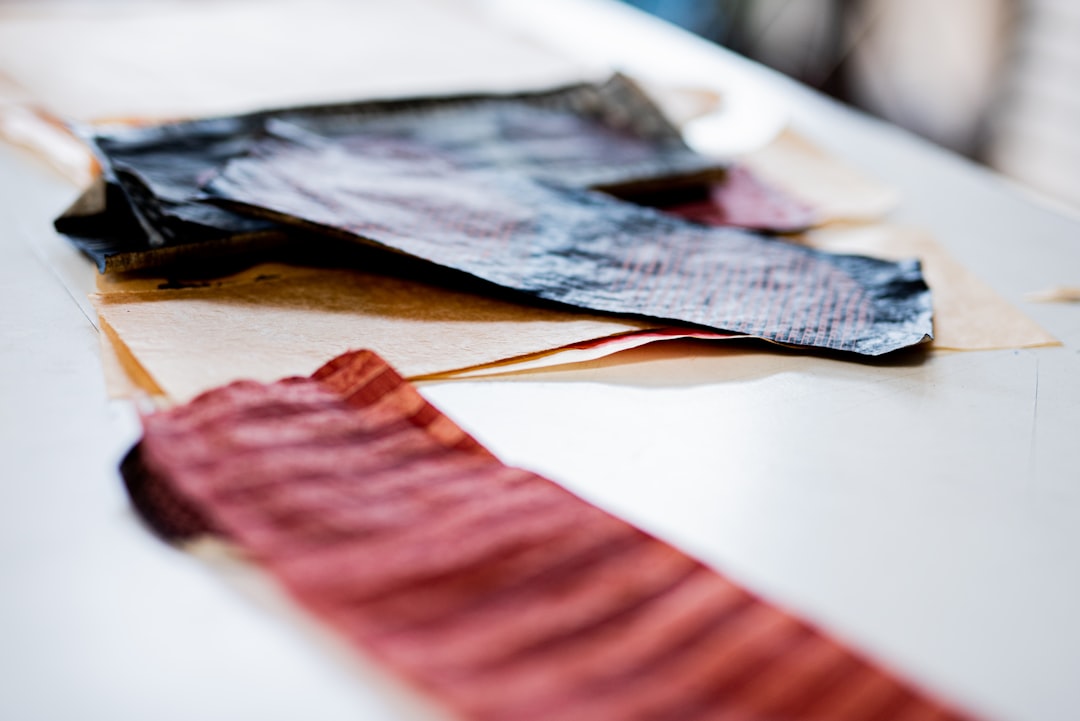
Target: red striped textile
493,589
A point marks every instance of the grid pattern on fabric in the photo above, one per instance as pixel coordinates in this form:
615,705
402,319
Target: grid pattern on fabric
582,247
491,588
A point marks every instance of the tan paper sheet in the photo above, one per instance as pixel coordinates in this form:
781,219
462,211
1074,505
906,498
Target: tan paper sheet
968,314
124,375
582,352
274,321
1056,294
838,192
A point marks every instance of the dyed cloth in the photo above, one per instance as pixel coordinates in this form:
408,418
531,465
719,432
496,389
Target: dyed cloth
490,588
580,247
505,189
154,213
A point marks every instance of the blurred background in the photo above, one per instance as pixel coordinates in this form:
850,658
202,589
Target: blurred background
995,80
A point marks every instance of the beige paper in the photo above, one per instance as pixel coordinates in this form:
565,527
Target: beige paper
835,190
34,131
274,321
581,352
125,377
1056,294
968,314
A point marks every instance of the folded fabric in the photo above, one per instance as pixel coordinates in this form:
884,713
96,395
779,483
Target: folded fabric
504,189
492,589
578,247
153,212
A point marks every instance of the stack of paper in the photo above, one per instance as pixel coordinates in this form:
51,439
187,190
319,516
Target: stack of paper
500,189
140,217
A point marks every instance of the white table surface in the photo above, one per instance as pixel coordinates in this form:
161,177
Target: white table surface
926,510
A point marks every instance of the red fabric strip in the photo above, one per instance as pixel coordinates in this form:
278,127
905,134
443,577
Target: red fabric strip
489,587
